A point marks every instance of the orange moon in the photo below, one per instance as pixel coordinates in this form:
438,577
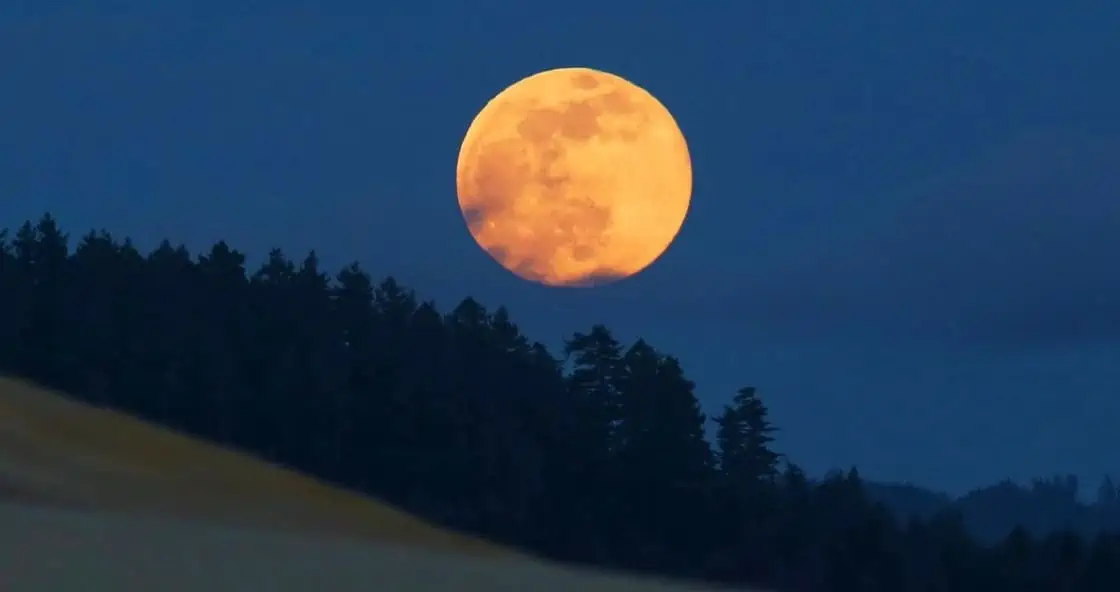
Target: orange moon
574,177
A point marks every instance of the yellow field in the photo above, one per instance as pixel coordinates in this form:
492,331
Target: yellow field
95,500
56,451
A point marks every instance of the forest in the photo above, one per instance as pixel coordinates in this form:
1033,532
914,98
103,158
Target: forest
595,454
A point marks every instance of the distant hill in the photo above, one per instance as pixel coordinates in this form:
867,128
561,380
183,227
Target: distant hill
991,513
908,500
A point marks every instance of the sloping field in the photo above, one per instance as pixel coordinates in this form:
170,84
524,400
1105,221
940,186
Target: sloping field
54,450
94,500
62,551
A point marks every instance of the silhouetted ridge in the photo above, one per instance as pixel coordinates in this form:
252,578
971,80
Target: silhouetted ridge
596,454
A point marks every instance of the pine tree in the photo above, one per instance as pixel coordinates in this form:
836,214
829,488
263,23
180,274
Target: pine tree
663,459
744,436
597,372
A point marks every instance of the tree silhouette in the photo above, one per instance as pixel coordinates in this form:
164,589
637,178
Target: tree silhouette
598,455
745,435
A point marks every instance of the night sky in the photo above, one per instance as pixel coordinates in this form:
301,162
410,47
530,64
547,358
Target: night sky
905,228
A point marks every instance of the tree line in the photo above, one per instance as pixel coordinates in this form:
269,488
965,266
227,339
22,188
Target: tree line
595,454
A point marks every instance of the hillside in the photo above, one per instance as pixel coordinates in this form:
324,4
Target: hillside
58,550
94,498
60,452
596,454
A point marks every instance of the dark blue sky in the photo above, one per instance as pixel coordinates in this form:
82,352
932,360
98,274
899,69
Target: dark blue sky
905,226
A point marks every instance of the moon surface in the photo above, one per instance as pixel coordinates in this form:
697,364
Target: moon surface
574,177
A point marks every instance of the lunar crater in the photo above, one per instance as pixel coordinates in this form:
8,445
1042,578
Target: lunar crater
584,81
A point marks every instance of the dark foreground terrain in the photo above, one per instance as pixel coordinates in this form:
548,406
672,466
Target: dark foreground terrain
43,549
93,500
474,438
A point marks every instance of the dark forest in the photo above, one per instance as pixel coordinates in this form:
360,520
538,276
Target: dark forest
594,454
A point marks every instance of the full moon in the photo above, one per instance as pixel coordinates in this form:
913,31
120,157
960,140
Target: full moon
574,177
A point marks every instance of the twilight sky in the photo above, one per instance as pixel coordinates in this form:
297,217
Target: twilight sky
905,226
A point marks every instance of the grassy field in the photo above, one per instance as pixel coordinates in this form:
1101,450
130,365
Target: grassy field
93,500
58,550
56,451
